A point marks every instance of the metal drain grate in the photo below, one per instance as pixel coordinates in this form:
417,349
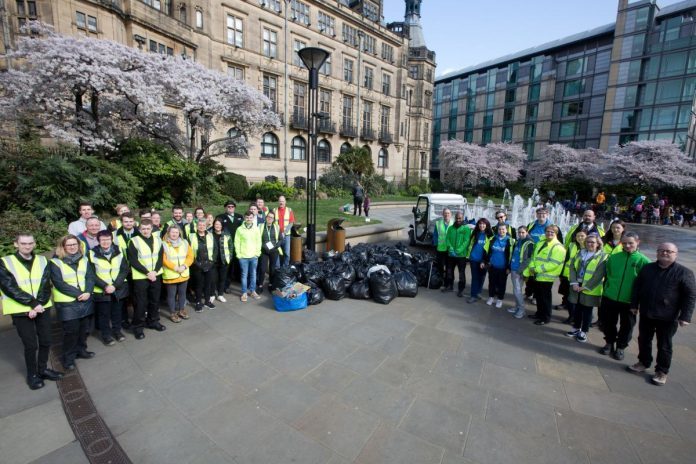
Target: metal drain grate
97,441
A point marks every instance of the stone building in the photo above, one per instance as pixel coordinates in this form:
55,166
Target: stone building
375,89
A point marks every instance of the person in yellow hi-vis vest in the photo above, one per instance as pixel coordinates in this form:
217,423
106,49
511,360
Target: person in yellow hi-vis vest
587,270
177,260
26,297
546,266
145,255
73,284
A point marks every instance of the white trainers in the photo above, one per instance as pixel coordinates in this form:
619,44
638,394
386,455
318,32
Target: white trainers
498,303
222,299
512,309
490,301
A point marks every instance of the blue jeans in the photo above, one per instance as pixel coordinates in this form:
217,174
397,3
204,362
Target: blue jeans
478,276
248,267
285,259
517,290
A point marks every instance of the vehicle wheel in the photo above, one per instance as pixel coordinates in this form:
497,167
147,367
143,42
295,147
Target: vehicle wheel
411,238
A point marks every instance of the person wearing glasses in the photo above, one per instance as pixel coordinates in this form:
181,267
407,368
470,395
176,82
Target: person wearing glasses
26,297
501,217
536,231
665,294
73,283
621,273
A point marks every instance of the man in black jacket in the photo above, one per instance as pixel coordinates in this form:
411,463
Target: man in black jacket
230,223
665,293
29,305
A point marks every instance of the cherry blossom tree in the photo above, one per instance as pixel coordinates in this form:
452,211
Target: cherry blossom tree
464,165
97,93
648,163
558,163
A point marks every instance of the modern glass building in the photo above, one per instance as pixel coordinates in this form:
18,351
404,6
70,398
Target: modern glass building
634,79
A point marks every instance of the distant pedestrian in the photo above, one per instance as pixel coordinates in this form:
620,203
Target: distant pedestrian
358,196
664,293
366,205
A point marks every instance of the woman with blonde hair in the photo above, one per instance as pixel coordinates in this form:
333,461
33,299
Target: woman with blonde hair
73,282
177,258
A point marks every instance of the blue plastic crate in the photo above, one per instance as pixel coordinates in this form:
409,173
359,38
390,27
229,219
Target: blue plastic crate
290,304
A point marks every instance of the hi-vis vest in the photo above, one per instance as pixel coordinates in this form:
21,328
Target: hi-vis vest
442,234
106,270
572,251
547,261
209,244
146,256
122,243
286,218
71,277
226,255
29,282
589,272
265,228
176,255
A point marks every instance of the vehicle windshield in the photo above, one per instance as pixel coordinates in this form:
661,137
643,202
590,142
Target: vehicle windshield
437,209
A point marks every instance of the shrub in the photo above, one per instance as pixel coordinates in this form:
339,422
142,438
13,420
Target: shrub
14,221
300,183
414,191
270,191
333,177
270,179
232,185
375,185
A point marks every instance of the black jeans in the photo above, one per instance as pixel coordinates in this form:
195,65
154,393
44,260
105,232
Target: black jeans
611,313
109,316
36,336
267,262
497,281
75,334
202,283
219,279
542,293
146,296
357,206
664,330
460,264
441,259
530,288
582,317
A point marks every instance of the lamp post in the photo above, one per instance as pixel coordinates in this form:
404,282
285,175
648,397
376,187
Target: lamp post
313,58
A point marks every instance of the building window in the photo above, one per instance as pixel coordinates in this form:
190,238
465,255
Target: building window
348,70
240,151
273,5
323,151
386,83
298,151
235,71
182,14
81,20
91,23
384,120
297,45
347,111
299,12
573,88
327,24
371,11
571,109
532,112
26,10
530,131
387,53
673,64
486,136
162,49
370,45
350,35
345,147
534,92
413,71
298,101
270,89
574,67
326,67
567,129
367,116
382,158
235,31
325,102
156,4
507,134
508,114
270,43
510,96
369,77
199,19
426,133
269,145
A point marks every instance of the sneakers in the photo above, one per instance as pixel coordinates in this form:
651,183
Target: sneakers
618,354
533,301
637,368
606,349
512,309
498,303
581,337
472,299
519,314
109,341
199,307
255,296
490,301
659,379
573,333
209,305
119,336
243,297
222,299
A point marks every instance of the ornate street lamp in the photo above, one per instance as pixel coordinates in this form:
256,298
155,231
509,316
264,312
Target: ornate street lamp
313,59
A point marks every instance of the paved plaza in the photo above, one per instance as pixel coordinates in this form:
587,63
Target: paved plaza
424,380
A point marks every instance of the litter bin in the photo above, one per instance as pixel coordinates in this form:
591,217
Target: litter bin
295,244
335,235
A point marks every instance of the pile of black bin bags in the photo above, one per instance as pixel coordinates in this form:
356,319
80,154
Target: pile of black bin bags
363,271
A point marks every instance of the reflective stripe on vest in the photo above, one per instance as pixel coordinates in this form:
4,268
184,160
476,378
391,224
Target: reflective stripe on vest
573,252
146,256
209,244
106,270
547,257
589,272
71,277
227,256
176,255
29,282
442,235
286,218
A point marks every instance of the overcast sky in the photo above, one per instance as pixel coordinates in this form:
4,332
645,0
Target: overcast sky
468,32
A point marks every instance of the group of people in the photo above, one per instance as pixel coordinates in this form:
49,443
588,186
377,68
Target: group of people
100,270
596,269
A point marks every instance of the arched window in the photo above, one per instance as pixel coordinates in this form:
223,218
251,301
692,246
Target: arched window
299,149
236,147
182,13
383,158
323,151
269,145
345,147
367,147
